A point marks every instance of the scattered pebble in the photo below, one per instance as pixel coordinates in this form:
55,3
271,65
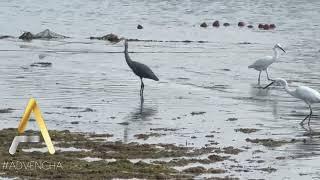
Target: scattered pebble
197,113
78,116
139,26
209,136
124,123
226,69
216,23
27,36
87,110
232,119
75,122
41,64
5,37
260,26
226,24
7,110
241,24
70,107
266,27
109,37
42,56
163,129
247,130
268,169
204,25
272,26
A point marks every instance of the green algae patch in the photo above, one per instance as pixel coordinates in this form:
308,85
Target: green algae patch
228,150
201,170
247,130
269,142
147,136
184,161
71,147
195,170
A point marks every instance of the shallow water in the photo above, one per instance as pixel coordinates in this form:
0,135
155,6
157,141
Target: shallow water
212,77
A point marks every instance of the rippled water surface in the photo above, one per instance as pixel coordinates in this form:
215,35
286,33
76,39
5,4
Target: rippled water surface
211,77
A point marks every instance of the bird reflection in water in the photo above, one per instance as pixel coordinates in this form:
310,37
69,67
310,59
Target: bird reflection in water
138,118
258,91
260,94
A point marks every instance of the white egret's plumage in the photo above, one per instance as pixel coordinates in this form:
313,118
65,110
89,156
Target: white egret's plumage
308,95
263,63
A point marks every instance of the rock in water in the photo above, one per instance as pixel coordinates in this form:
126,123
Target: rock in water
26,36
110,37
272,26
226,24
41,64
216,24
266,27
139,26
5,36
47,34
204,25
241,24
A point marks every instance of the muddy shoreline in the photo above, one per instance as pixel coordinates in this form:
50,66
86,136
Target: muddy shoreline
90,155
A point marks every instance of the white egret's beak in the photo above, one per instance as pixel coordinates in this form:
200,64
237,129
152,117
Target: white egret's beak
268,85
282,49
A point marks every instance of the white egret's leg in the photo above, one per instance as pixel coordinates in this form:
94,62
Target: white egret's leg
259,77
301,123
269,79
310,115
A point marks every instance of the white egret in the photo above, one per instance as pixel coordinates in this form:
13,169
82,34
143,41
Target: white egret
263,63
308,95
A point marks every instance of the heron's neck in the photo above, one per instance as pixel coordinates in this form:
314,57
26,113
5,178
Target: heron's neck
275,54
126,55
289,91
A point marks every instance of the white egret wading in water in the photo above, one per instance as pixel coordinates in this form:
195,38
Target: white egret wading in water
263,63
304,93
139,69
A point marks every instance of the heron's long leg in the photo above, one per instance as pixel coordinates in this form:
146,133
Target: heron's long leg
301,123
310,115
269,79
259,77
141,90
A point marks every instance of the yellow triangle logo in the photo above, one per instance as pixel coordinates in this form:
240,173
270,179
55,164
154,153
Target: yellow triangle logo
33,107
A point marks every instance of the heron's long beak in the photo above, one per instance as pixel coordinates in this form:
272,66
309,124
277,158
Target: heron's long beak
282,49
268,85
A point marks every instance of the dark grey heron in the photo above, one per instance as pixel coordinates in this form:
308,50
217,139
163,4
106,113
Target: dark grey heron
139,69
